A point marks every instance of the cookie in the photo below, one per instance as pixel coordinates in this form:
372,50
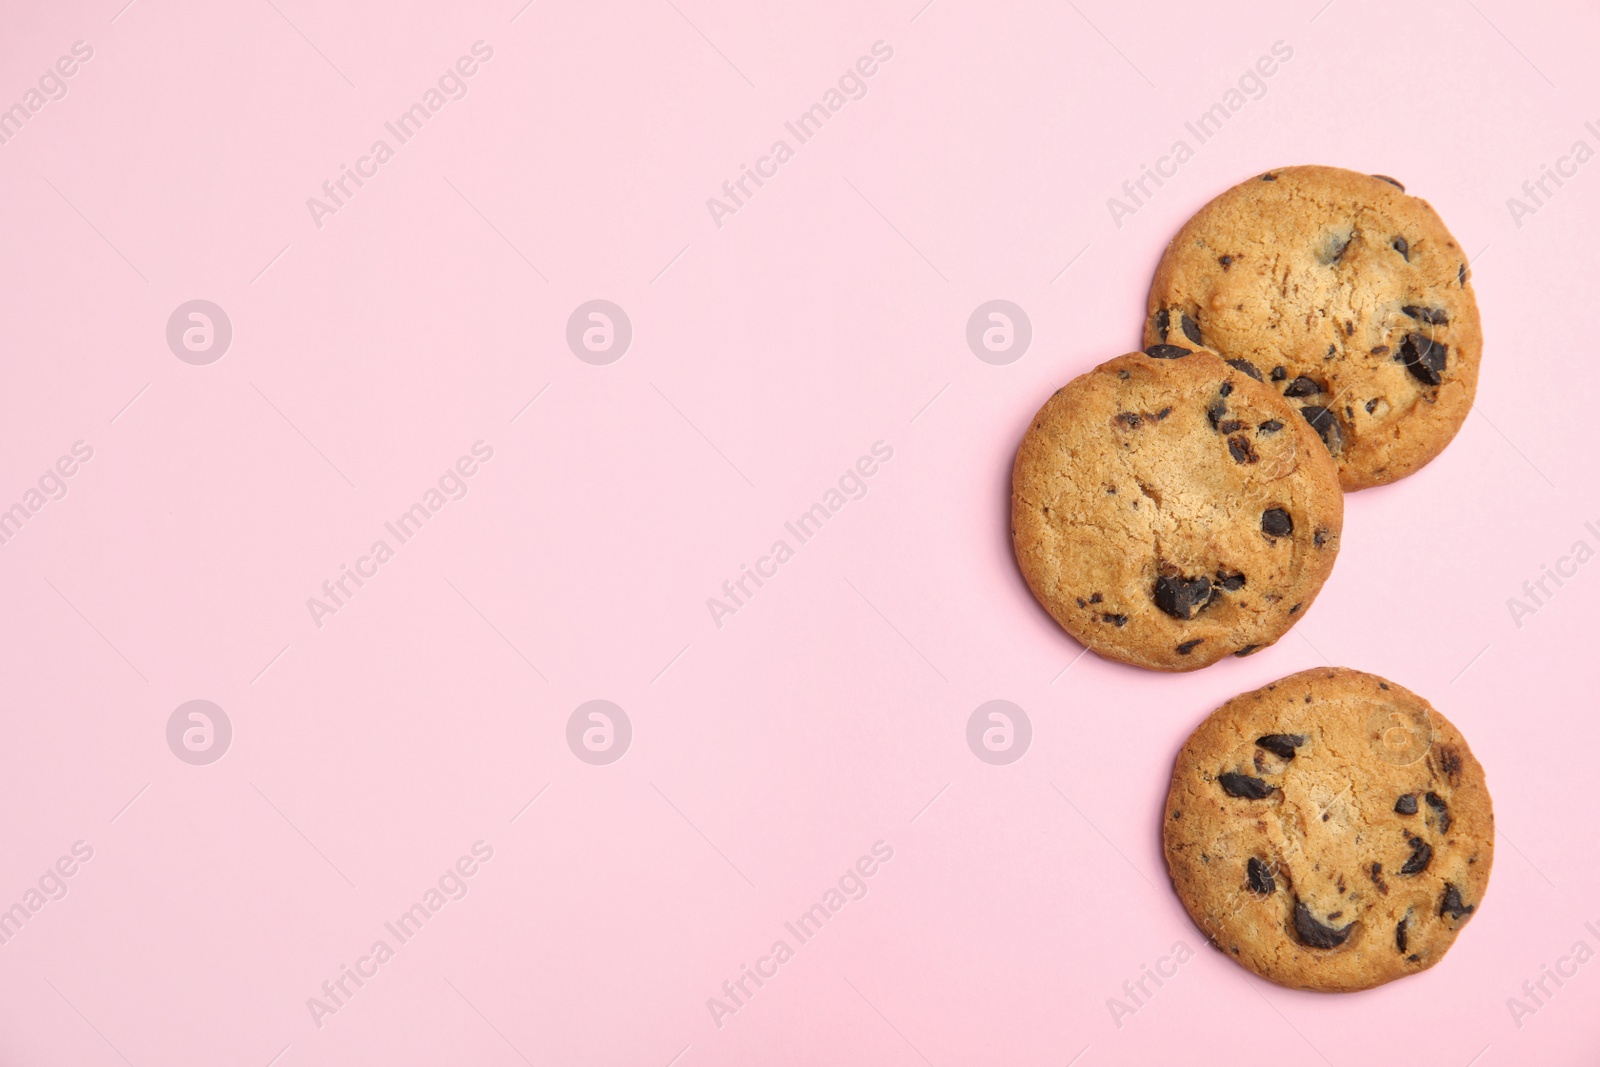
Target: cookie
1331,831
1168,509
1343,293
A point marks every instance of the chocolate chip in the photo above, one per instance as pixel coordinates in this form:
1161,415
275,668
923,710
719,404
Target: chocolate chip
1269,177
1399,245
1230,426
1424,357
1230,582
1371,406
1441,810
1326,424
1226,261
1421,856
1239,448
1320,537
1376,874
1270,426
1095,598
1302,386
1400,935
1163,321
1166,351
1451,904
1461,276
1449,761
1128,419
1279,373
1315,934
1244,786
1259,875
1246,650
1334,248
1245,365
1281,745
1391,181
1082,603
1308,699
1406,805
1215,412
1119,620
1191,329
1163,413
1275,522
1182,597
1431,316
1330,352
1381,350
1189,646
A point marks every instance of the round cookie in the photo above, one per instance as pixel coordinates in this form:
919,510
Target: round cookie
1168,510
1331,831
1347,295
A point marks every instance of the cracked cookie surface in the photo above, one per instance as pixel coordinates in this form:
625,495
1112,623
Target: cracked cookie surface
1169,509
1348,296
1330,831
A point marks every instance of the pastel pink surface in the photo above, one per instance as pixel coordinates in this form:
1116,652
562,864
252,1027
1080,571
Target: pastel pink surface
770,351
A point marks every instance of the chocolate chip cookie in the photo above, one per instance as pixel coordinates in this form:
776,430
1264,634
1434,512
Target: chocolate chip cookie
1331,831
1168,509
1347,296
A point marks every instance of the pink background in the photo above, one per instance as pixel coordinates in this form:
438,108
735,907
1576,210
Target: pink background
768,354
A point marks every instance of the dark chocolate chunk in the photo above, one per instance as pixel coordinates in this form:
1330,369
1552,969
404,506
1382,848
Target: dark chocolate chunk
1399,245
1259,875
1269,177
1400,935
1334,248
1421,856
1314,934
1326,424
1166,351
1449,761
1189,646
1381,350
1461,275
1424,357
1441,810
1163,321
1163,413
1230,582
1182,597
1241,451
1245,365
1275,522
1128,419
1371,406
1244,786
1302,386
1376,874
1191,329
1291,612
1226,261
1230,426
1281,745
1431,316
1226,389
1095,598
1391,181
1320,537
1270,426
1120,620
1246,650
1406,805
1451,904
1215,412
1279,373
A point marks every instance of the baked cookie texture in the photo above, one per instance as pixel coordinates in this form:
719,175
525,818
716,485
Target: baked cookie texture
1170,510
1345,294
1331,831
